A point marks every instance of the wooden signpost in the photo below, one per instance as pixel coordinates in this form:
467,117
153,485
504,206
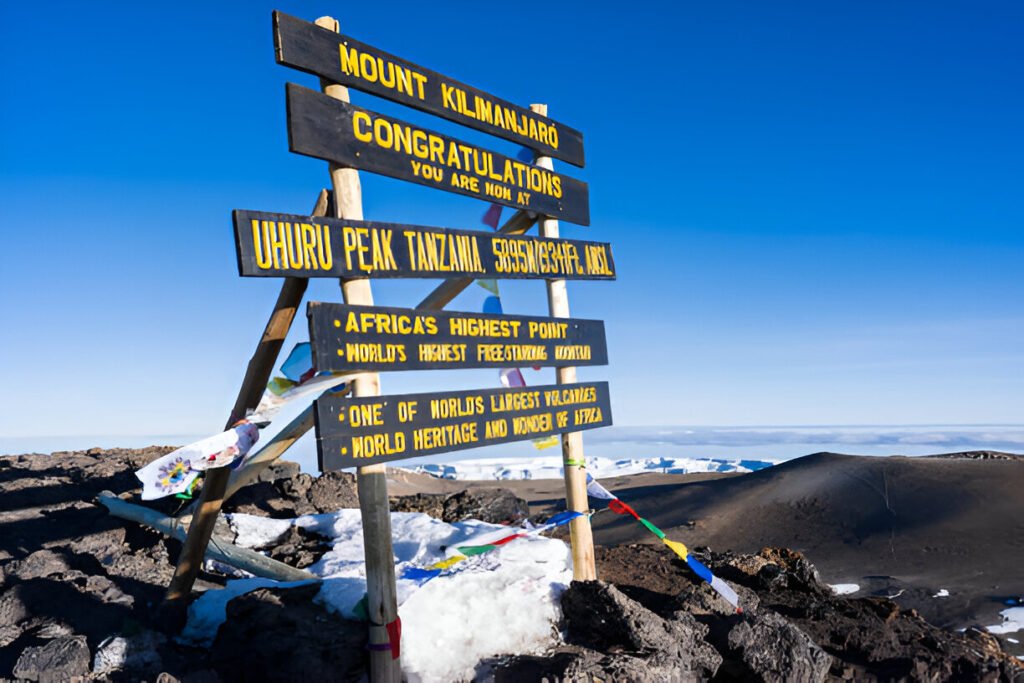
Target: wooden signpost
359,338
325,128
285,245
367,430
352,432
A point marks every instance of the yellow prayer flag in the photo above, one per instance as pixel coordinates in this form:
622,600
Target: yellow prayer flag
677,547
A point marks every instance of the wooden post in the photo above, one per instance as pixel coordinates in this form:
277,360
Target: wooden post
382,599
584,567
220,549
257,375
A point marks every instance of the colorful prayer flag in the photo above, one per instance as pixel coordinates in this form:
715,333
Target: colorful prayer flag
176,471
595,490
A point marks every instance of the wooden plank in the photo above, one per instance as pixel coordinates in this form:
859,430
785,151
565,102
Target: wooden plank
350,136
276,245
219,549
356,338
351,432
345,60
215,482
581,536
371,480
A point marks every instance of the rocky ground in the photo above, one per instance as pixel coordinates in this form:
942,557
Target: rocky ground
79,592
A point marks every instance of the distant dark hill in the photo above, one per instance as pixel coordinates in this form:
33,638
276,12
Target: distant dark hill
916,524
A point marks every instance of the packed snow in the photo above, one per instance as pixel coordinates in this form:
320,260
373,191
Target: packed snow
1013,620
550,467
500,602
844,588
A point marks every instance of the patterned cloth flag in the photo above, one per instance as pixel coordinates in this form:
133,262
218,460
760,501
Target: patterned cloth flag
484,543
176,471
595,490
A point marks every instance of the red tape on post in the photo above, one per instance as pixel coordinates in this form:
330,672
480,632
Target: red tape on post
395,636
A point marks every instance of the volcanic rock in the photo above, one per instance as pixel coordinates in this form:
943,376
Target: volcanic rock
492,505
773,650
282,635
61,659
497,506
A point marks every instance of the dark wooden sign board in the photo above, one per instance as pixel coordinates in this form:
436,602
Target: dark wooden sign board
326,128
344,60
352,432
348,338
285,245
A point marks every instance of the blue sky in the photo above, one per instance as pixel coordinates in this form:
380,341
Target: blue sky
815,209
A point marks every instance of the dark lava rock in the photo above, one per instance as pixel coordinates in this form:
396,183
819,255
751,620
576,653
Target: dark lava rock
599,617
287,493
428,503
497,506
280,469
12,611
61,659
614,638
282,635
333,491
774,650
299,547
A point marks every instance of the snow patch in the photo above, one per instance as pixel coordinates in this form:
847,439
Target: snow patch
1013,620
844,588
257,532
504,601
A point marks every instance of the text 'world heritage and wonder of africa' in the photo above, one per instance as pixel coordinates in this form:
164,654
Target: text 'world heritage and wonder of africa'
358,431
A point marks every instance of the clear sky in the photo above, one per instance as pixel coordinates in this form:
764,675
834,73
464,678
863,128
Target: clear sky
816,209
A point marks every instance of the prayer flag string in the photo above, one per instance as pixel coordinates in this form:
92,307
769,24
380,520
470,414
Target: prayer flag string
618,506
